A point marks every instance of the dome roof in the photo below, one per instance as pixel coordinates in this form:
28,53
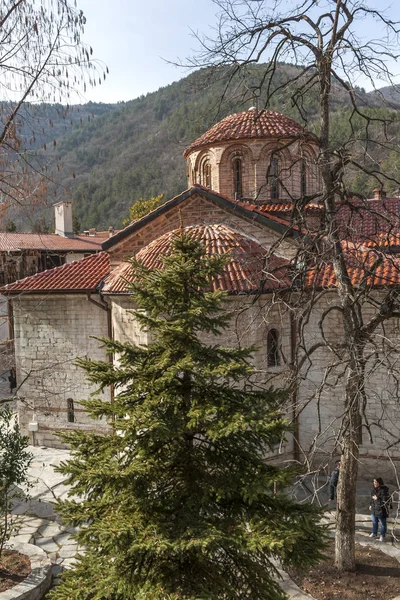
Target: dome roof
243,273
250,124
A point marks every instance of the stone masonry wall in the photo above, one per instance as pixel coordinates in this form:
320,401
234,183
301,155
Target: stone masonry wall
322,390
50,333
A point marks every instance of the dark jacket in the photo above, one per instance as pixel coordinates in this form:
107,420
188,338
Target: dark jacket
380,506
333,481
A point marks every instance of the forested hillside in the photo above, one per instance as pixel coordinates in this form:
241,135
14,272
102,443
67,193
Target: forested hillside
135,149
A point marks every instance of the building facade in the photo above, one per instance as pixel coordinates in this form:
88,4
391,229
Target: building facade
246,175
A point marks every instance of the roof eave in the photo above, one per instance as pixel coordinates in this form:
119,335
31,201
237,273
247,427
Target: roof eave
198,147
48,291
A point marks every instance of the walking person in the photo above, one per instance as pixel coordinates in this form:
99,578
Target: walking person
333,481
380,499
12,380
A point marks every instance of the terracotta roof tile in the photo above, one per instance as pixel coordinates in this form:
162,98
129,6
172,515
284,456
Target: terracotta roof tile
77,276
365,220
365,266
250,124
384,240
288,207
243,273
36,241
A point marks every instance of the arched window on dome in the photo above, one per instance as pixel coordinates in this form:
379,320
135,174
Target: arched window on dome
273,354
273,180
303,178
237,177
206,175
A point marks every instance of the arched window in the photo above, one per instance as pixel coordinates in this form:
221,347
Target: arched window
303,178
70,411
273,355
207,175
237,177
273,179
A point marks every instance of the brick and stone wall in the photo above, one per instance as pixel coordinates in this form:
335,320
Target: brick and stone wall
50,333
197,210
255,156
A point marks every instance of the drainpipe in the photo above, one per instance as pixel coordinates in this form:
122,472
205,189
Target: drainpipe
105,306
10,315
294,394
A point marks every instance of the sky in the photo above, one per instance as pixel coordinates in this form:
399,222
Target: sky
137,38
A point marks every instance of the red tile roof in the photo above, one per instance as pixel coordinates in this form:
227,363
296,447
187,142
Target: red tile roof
367,219
78,276
384,240
243,273
288,207
365,266
250,124
14,242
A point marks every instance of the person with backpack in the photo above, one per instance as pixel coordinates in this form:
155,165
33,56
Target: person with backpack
380,500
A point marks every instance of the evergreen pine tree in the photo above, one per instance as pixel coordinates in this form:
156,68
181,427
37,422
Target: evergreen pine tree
177,501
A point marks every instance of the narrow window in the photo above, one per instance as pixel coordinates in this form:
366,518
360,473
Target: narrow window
273,356
70,411
273,179
207,175
303,178
237,177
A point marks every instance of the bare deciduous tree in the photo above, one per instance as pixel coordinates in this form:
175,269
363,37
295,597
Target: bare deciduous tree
42,59
323,39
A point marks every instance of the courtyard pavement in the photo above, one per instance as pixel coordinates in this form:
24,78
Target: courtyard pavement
35,520
38,523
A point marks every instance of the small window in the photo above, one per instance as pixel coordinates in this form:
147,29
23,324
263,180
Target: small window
70,411
207,175
237,177
303,178
273,179
273,355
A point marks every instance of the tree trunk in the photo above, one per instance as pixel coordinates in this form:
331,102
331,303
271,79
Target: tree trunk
346,490
347,485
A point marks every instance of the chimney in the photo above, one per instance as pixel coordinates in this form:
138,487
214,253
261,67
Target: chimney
63,215
110,231
379,193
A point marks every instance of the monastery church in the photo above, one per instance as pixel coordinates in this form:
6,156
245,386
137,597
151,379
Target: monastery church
244,175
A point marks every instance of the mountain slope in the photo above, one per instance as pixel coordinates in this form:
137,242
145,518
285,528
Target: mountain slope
135,149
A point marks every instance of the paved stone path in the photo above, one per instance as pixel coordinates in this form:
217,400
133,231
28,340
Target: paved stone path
38,523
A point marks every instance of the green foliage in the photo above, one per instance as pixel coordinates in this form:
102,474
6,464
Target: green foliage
11,226
177,501
14,463
76,224
142,207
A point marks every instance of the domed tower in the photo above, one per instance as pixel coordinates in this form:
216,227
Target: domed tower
256,155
